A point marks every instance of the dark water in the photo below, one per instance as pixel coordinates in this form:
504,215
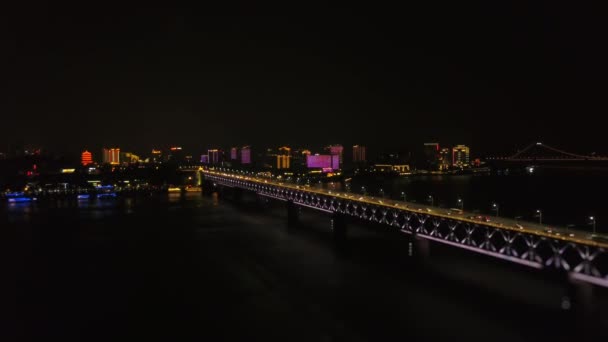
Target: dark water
200,268
563,198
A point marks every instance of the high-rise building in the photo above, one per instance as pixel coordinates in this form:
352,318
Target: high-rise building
204,159
298,158
214,156
284,158
111,156
86,158
234,153
444,159
336,150
431,156
460,155
359,154
176,154
246,155
157,156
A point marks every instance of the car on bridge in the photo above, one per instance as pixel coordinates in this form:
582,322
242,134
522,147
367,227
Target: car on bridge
455,211
479,218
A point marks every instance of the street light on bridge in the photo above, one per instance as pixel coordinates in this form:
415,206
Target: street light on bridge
539,214
363,191
461,203
381,193
432,200
592,222
403,195
496,208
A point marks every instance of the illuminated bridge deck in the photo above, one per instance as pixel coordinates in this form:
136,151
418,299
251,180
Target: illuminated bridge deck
578,253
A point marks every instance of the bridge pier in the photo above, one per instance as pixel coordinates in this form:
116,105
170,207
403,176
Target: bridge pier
578,303
293,214
418,248
339,228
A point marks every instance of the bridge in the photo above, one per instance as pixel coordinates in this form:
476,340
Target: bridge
539,152
579,256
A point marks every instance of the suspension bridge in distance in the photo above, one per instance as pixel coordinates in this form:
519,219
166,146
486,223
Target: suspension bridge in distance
542,153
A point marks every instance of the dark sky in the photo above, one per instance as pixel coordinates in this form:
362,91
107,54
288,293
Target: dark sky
494,76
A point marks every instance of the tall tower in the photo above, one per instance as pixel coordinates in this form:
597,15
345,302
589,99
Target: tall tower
284,158
431,155
234,153
246,155
359,154
460,155
214,156
336,150
86,158
111,156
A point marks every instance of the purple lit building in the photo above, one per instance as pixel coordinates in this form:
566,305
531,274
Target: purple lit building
336,150
323,161
204,159
234,153
246,155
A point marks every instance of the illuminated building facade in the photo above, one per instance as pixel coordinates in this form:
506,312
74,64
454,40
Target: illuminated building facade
327,162
460,156
359,154
157,156
128,157
336,150
234,153
401,169
204,159
284,158
111,156
444,159
86,158
213,156
246,155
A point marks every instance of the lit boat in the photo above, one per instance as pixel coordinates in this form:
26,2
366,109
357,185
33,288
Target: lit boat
20,199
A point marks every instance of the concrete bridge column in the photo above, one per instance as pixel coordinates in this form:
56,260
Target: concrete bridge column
293,214
418,248
577,302
339,228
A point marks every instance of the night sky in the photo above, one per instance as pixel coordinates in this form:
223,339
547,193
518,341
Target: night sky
492,76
